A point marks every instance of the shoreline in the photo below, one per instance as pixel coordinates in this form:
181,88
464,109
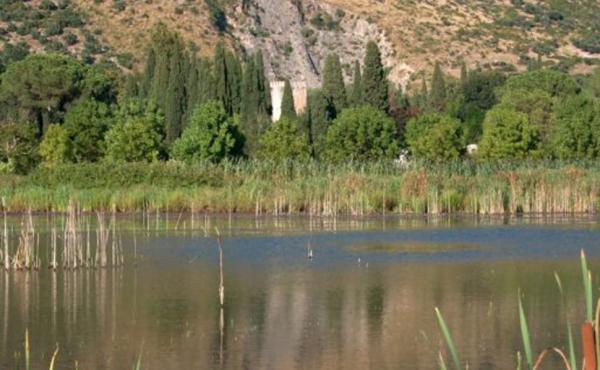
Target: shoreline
309,189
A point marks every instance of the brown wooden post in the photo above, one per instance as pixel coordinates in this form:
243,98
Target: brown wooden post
589,346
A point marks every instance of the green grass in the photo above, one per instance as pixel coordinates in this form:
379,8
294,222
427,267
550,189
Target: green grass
320,189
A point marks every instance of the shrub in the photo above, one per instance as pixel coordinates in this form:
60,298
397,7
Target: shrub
210,135
434,138
284,141
362,134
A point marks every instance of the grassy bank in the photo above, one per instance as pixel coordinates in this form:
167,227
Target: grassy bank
313,188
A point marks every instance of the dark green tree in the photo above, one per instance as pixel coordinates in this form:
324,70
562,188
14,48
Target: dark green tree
538,105
333,84
375,85
192,87
137,134
576,135
552,82
249,121
434,137
264,89
167,46
86,123
175,99
234,83
255,107
318,120
210,135
476,98
362,134
250,94
40,88
206,88
356,95
508,134
438,88
284,141
288,109
148,75
130,88
18,148
221,87
421,99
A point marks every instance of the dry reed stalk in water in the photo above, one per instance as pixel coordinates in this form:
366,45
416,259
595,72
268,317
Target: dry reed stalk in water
221,286
6,254
542,356
53,263
101,240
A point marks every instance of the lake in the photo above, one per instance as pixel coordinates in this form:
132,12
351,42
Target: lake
364,301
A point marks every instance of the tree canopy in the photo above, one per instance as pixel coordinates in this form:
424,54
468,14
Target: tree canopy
284,141
374,81
434,137
507,135
362,134
210,135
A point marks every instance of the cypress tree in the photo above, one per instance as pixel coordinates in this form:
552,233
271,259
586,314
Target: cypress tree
250,93
318,120
422,99
255,103
375,86
438,87
130,88
356,96
288,109
164,44
175,97
161,80
264,88
234,83
148,76
333,84
221,92
206,88
192,87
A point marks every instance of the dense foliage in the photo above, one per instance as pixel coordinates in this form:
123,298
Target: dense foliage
362,134
284,141
56,110
210,135
434,137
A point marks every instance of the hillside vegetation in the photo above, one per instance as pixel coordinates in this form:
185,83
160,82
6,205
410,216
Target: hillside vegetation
296,35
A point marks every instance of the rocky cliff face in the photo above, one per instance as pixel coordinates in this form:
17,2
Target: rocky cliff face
297,35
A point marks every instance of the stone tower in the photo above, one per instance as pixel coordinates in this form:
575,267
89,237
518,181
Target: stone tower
277,98
299,91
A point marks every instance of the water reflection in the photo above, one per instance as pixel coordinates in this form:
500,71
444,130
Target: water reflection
283,311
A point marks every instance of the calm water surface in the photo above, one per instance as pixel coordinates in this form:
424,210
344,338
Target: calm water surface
366,300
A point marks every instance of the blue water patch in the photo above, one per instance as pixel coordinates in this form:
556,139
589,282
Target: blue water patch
482,243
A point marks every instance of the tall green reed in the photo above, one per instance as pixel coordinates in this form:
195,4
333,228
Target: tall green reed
449,342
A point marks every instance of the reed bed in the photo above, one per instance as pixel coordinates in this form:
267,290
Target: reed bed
311,188
71,244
